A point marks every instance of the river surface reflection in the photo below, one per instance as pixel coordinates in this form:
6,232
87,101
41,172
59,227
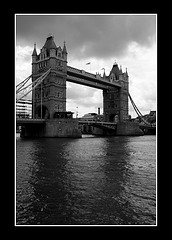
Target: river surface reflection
88,181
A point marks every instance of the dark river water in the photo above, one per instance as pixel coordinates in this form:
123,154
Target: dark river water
87,181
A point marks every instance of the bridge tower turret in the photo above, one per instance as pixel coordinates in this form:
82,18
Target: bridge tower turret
34,59
50,96
115,100
64,52
124,81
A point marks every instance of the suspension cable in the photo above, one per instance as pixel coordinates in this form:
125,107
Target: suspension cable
137,110
135,107
21,84
34,84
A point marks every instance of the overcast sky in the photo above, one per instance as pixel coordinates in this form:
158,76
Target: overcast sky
130,40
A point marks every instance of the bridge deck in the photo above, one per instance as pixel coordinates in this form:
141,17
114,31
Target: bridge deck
97,122
144,126
103,125
29,121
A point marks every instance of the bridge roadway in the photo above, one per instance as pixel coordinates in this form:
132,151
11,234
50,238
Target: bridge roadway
102,125
88,79
24,121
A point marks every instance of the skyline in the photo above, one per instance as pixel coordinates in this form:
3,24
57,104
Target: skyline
130,40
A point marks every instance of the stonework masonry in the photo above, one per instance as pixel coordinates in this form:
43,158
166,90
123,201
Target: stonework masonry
128,129
60,128
115,100
51,93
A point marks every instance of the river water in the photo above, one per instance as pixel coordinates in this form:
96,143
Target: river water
87,181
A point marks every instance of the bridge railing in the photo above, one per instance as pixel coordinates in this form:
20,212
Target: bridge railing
97,122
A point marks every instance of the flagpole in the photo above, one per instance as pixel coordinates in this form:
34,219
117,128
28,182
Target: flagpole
89,63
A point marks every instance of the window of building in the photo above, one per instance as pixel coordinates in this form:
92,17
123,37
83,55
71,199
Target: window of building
48,53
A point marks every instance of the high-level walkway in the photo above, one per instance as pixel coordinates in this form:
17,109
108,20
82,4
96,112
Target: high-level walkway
88,79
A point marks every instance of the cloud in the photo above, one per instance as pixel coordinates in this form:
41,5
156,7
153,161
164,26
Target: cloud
142,70
23,62
100,36
84,96
77,92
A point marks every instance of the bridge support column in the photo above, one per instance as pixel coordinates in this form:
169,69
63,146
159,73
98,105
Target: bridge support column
60,128
111,104
128,129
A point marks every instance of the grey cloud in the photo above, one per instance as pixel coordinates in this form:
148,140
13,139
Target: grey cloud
89,103
83,96
78,92
89,36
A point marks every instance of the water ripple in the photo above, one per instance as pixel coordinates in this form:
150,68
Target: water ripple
94,181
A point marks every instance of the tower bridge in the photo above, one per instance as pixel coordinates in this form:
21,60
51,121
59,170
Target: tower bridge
49,75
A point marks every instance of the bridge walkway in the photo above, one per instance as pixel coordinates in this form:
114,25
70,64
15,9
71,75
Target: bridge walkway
103,125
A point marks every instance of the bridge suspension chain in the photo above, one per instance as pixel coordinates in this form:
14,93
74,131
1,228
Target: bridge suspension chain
32,85
137,110
21,84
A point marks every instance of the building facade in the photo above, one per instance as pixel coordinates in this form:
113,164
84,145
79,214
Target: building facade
24,109
50,96
115,100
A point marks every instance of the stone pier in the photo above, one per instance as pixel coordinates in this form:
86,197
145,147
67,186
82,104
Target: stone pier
60,128
128,129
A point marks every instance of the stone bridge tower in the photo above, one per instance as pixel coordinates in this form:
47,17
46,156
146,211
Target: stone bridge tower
115,100
50,96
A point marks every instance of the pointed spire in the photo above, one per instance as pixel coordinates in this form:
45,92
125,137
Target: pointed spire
64,48
34,50
126,72
120,70
104,74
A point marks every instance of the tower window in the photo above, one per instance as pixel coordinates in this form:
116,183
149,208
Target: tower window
48,53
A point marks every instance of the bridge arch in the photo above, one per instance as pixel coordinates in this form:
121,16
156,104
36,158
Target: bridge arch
113,117
44,112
